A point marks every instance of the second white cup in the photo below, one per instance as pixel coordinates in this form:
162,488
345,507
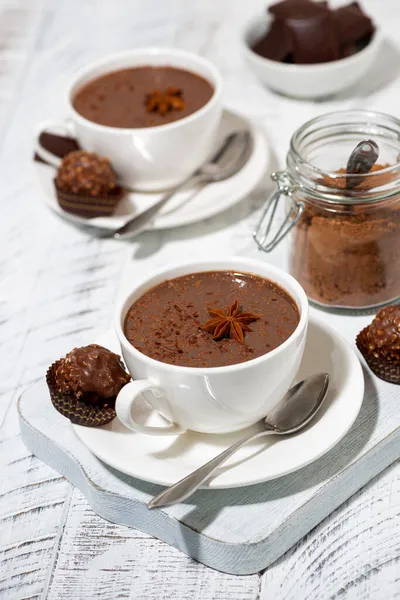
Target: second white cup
148,158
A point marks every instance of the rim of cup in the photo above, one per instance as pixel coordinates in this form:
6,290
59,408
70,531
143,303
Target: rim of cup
147,52
252,23
239,264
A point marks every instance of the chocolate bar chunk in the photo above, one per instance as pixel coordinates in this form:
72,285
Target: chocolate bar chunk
314,39
297,9
276,44
352,24
57,145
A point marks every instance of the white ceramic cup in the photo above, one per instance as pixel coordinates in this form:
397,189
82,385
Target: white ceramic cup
217,399
148,158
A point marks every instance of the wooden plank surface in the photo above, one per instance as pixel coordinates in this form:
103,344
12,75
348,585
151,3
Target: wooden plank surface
57,290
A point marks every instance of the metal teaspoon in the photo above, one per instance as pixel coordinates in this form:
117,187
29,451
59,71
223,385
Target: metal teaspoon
229,158
360,162
293,413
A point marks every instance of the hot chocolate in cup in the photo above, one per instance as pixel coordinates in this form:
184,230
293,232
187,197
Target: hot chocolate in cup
218,399
146,158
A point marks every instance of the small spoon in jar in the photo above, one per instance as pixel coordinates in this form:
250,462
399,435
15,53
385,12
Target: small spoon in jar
360,162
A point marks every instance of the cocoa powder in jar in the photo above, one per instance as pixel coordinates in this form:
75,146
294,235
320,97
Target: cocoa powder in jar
349,255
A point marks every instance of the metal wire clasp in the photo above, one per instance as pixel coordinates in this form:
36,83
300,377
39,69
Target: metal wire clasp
286,188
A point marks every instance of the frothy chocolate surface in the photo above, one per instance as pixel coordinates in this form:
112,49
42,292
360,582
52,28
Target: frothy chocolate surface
118,99
165,322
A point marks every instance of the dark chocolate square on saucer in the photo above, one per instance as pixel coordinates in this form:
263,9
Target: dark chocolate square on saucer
58,145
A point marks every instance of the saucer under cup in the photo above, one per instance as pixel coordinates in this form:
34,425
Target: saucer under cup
187,206
166,460
147,158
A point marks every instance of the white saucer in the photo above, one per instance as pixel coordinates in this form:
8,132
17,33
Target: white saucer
165,460
187,206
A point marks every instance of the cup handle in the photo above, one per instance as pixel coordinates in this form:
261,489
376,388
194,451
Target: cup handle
124,404
65,128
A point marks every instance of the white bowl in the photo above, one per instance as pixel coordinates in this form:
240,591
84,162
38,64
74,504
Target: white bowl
306,81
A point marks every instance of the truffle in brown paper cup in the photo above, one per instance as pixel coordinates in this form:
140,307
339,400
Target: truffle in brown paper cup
77,410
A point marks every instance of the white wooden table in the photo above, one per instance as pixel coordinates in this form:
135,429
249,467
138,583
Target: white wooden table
57,291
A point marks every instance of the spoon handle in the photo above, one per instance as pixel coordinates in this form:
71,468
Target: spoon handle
361,161
140,222
186,486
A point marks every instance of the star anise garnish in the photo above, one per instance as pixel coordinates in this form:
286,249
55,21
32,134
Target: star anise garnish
230,324
165,101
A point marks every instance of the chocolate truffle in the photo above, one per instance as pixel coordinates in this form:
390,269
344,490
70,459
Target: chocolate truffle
86,185
85,173
379,343
91,370
84,385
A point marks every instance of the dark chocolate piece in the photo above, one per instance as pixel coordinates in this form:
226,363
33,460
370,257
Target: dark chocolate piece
58,145
276,45
347,50
92,373
313,38
352,24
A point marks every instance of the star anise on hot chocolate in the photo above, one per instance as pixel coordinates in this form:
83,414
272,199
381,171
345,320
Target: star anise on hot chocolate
165,101
230,324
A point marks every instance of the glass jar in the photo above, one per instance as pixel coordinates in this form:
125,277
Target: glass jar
344,245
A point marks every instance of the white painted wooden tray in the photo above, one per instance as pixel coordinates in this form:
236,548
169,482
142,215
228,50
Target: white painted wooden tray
239,531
